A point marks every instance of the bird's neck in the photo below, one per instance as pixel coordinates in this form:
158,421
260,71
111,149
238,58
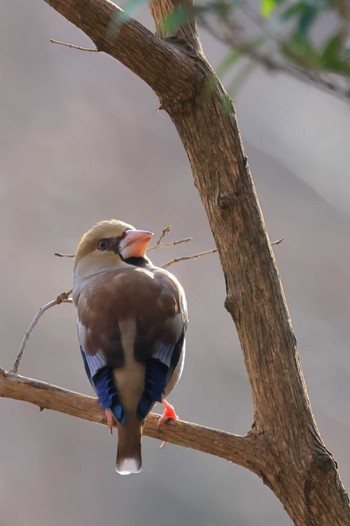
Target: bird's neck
138,262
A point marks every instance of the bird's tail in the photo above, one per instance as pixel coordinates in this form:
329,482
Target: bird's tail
129,447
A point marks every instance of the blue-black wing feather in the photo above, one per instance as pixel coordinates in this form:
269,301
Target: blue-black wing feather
102,381
159,370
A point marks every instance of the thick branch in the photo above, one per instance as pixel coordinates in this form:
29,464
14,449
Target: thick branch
187,32
149,57
301,471
255,296
240,450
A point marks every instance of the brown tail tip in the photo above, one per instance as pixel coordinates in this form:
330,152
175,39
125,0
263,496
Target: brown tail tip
129,448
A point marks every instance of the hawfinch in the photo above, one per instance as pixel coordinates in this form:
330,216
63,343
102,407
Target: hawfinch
132,319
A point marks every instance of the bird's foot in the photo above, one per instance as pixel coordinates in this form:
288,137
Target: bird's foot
168,415
110,419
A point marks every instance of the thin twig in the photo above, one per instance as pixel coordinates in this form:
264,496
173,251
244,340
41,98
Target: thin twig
170,244
278,241
164,233
185,258
61,255
73,46
61,298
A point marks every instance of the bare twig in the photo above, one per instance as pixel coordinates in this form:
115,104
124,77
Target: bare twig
61,255
170,244
164,233
278,241
61,298
184,258
73,46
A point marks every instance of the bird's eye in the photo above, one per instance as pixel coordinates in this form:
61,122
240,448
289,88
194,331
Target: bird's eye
102,244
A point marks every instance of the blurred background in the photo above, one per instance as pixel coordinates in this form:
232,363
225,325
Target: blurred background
81,141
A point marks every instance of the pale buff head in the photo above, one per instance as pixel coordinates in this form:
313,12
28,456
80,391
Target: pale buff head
108,244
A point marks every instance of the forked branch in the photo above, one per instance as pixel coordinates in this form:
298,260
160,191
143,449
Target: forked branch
128,41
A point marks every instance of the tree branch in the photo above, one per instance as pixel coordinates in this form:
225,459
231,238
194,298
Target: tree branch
61,298
241,450
187,258
128,41
186,32
73,46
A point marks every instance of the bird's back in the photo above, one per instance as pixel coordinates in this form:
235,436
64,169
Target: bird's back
151,300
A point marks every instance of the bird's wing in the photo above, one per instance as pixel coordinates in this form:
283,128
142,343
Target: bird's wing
164,367
100,345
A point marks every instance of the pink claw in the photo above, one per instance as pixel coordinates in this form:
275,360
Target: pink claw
110,419
168,414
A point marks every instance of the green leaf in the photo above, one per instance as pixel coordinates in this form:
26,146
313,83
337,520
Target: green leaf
221,8
267,7
293,10
174,20
241,77
334,56
307,18
115,24
236,53
131,6
333,48
232,56
300,50
306,11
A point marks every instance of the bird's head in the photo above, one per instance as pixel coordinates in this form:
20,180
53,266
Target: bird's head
108,244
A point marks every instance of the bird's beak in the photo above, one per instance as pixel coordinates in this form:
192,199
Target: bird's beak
134,243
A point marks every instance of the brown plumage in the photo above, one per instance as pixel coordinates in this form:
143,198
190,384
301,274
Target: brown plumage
131,322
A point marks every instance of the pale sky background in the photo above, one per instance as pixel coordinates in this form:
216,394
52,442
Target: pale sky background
80,141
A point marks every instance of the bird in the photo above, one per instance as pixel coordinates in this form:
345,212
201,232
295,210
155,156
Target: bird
131,324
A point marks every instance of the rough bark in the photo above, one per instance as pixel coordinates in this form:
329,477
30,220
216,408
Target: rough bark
237,449
152,59
288,453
